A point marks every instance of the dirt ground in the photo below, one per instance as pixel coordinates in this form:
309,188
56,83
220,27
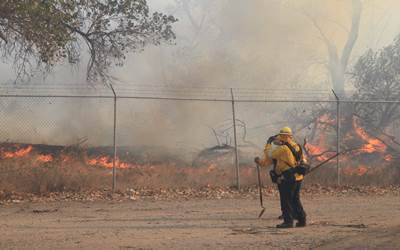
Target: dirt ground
335,222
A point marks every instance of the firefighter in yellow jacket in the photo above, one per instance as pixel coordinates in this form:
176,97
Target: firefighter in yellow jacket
286,158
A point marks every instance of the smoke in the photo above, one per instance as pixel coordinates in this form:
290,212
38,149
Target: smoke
223,44
226,44
262,44
230,44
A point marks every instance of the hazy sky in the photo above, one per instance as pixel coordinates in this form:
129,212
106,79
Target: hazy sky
260,43
251,39
228,43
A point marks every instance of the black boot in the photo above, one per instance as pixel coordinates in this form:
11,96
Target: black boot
301,223
285,225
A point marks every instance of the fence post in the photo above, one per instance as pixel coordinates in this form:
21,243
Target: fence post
337,136
114,174
235,139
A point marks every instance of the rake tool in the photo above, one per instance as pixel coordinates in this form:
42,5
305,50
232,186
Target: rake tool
260,191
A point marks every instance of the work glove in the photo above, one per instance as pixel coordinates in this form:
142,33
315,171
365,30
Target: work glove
257,160
271,139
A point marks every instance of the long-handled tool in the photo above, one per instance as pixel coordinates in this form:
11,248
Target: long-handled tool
323,163
260,191
330,158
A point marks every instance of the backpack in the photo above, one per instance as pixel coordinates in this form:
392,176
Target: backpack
301,167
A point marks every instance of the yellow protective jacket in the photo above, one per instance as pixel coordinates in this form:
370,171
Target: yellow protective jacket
283,155
266,160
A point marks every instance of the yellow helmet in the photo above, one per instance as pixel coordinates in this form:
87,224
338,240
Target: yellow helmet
286,131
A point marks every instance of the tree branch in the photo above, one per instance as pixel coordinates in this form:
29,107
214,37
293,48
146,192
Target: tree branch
353,35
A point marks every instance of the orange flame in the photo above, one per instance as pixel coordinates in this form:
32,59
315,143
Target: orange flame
315,150
45,158
107,162
103,161
372,144
211,168
321,141
65,158
360,170
19,153
388,158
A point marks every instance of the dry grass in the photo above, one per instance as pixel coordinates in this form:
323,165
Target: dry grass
27,175
24,175
378,176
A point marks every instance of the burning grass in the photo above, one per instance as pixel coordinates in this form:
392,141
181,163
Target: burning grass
46,169
366,159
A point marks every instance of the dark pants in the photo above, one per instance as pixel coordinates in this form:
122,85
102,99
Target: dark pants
290,202
281,197
298,211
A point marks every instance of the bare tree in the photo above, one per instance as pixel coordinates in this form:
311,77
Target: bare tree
338,60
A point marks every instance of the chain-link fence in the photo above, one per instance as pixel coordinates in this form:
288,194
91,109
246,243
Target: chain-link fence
74,138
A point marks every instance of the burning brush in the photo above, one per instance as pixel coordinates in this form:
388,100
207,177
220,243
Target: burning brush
362,150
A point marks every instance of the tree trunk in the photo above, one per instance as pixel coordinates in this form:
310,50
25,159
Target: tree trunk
337,65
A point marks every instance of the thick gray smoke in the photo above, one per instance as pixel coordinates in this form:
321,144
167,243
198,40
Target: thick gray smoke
223,44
